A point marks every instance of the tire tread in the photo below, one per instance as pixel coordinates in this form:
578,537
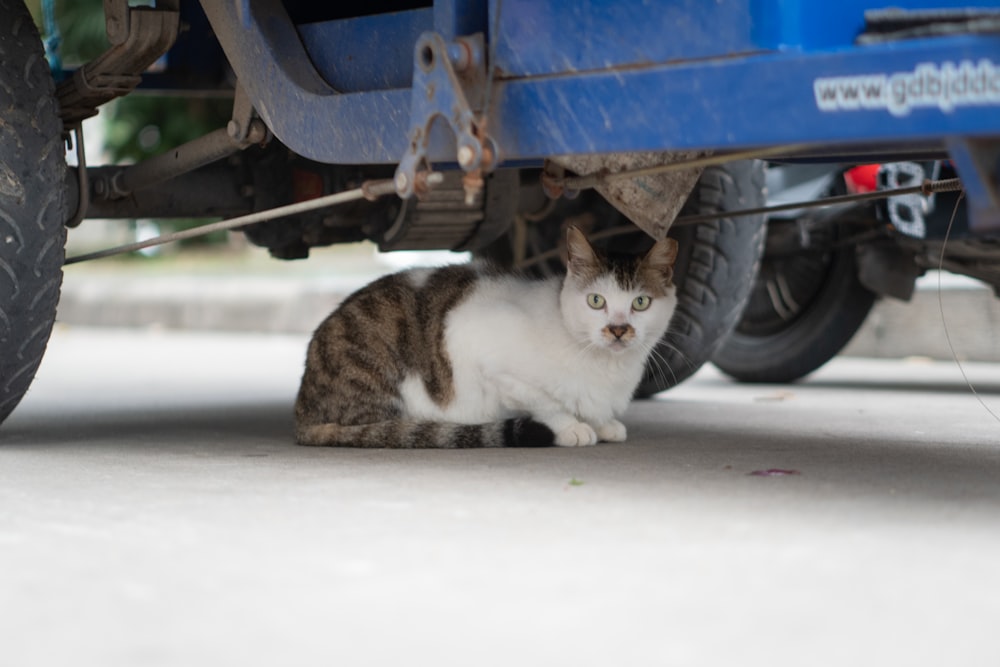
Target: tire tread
715,271
32,214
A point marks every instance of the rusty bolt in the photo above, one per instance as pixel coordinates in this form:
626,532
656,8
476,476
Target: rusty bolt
466,156
460,55
551,186
256,132
402,182
472,183
488,156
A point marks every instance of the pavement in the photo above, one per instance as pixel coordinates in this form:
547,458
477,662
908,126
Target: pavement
253,293
246,291
154,511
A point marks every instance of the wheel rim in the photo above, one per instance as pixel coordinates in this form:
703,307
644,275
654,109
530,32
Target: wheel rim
785,287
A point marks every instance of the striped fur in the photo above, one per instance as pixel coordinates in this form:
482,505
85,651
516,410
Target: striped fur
405,434
361,353
461,356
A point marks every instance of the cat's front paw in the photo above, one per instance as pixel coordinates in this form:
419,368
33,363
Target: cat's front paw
612,431
576,435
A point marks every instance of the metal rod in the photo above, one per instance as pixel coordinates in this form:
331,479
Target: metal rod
261,216
369,190
214,191
197,153
82,180
927,187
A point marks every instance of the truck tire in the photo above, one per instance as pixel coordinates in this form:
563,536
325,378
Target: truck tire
785,342
715,269
32,203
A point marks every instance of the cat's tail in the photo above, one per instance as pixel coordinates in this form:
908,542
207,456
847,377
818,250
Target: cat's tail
402,434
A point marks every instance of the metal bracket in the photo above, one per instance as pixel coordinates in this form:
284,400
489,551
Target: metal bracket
445,78
116,21
138,35
239,126
977,162
908,213
82,180
242,131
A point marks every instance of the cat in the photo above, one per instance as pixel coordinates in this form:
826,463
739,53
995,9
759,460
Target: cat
465,356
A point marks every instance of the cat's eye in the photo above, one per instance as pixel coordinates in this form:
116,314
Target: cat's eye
641,302
595,301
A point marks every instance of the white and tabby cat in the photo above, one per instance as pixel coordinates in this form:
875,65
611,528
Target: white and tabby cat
463,356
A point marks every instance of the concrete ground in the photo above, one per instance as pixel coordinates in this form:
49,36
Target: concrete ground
249,291
154,511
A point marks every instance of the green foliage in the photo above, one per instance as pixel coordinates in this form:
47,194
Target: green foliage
81,24
138,126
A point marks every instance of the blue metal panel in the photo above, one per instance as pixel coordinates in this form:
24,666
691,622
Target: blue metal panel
756,100
549,37
811,26
302,110
784,24
976,161
455,18
558,37
762,100
369,52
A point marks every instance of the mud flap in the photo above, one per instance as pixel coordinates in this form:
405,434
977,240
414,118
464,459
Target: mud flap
651,202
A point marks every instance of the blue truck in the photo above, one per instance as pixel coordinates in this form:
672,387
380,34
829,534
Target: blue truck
490,124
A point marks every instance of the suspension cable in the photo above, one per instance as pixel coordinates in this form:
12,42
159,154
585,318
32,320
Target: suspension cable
926,188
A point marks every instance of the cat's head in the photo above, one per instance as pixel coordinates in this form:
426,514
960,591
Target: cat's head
618,303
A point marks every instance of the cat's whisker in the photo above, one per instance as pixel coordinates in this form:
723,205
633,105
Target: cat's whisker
675,349
653,364
659,362
663,363
676,334
584,350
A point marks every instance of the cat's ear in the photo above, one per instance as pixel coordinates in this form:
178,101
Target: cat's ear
661,257
581,260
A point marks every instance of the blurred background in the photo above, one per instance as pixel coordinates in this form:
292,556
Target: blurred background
220,281
169,285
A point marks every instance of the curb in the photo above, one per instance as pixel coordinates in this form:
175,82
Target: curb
205,303
922,327
296,305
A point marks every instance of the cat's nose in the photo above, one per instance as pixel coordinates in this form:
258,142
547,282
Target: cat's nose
618,330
